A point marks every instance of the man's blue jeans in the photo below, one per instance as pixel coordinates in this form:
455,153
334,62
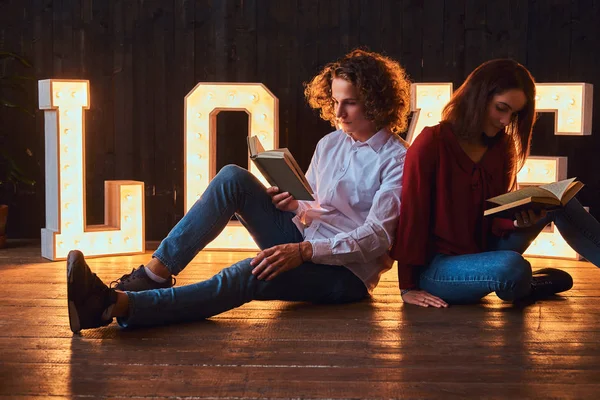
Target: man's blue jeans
468,278
235,191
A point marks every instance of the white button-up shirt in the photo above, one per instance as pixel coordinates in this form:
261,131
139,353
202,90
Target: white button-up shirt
357,190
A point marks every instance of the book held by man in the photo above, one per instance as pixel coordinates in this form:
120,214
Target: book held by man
280,169
544,197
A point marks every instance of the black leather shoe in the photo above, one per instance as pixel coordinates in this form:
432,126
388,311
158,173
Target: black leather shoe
549,281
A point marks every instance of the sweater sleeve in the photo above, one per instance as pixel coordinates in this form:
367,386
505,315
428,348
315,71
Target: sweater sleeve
414,227
503,226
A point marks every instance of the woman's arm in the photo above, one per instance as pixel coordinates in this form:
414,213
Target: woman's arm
414,228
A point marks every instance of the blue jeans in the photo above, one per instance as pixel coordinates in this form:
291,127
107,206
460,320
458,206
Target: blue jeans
467,278
235,191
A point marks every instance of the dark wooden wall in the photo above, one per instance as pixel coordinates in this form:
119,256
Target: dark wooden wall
143,56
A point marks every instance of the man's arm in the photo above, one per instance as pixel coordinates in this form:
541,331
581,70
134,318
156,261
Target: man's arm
374,237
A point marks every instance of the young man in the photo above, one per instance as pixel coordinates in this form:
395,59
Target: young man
332,250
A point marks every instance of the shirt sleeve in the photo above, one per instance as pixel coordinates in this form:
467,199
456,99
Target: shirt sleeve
374,237
413,233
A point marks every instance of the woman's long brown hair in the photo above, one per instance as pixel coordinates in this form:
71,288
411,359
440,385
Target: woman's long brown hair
467,108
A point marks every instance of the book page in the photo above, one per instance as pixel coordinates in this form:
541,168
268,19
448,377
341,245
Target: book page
271,154
531,203
526,192
254,146
573,189
558,188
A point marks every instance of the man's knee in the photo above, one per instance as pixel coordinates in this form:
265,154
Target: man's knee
234,178
232,172
238,280
240,271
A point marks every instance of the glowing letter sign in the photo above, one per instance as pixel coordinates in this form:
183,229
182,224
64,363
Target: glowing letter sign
123,230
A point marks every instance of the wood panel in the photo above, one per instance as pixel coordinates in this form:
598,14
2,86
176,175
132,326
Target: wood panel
143,56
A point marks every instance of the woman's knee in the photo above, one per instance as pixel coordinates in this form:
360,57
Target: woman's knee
514,273
514,267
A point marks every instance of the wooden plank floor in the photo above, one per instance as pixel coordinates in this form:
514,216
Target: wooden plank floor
373,349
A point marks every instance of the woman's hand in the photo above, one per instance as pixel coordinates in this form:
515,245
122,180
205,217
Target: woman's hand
423,299
525,219
281,258
283,201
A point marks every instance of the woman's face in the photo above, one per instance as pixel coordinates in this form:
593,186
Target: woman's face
502,109
349,110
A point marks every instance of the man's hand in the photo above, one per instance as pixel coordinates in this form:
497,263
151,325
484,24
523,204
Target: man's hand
423,299
525,219
283,201
275,260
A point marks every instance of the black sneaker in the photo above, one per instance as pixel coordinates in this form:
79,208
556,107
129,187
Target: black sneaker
137,280
549,281
88,297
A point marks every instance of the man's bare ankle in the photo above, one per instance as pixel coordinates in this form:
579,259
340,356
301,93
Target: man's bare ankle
121,307
158,268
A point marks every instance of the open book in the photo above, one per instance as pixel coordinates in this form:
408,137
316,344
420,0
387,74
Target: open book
280,169
537,198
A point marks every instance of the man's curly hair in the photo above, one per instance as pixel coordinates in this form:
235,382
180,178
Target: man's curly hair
382,84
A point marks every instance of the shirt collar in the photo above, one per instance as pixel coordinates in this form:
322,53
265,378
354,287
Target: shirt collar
380,138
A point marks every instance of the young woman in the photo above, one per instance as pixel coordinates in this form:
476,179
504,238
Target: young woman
447,251
331,250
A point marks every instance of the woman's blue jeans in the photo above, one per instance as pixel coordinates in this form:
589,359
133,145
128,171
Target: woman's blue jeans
235,191
467,278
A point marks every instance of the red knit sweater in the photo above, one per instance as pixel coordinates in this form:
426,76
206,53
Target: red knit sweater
443,200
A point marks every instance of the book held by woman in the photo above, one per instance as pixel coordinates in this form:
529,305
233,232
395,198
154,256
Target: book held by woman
544,197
